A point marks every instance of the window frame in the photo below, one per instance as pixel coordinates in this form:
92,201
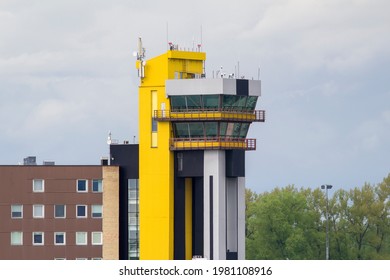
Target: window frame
55,213
86,211
94,212
100,238
85,239
43,238
34,211
43,186
21,211
86,186
12,237
101,185
55,238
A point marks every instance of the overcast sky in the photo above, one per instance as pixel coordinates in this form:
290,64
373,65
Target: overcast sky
67,77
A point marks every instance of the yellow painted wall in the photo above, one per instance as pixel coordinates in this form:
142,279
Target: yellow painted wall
156,163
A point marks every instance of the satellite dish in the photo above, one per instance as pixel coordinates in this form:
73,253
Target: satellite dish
135,54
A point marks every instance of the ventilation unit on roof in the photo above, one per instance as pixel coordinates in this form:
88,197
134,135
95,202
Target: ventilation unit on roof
30,160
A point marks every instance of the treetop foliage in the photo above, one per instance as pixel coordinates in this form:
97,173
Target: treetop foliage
290,223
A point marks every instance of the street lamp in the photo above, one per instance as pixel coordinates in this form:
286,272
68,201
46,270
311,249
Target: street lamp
327,187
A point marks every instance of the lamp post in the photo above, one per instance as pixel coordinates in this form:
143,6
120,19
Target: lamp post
327,187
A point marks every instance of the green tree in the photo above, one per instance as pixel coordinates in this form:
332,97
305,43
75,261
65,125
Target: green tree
290,223
283,226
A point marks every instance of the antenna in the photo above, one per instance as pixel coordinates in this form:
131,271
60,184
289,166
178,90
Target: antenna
109,139
140,57
109,142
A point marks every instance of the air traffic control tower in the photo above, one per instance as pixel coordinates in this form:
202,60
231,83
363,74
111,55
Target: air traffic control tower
192,143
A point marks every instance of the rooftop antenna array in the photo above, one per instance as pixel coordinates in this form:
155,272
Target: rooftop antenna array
140,57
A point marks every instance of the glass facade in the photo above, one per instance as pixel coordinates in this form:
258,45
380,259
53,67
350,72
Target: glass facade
213,102
210,129
133,219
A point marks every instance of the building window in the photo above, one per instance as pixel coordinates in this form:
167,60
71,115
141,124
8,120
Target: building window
17,211
81,259
97,238
59,211
59,259
97,185
96,259
133,219
82,185
179,161
59,238
81,238
81,211
38,211
97,211
16,238
38,185
38,238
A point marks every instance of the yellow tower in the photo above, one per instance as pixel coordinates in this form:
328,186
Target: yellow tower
192,157
156,162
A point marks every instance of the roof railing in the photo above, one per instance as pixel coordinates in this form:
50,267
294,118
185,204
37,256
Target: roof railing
212,114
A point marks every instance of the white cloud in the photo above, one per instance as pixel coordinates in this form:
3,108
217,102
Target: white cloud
67,71
338,35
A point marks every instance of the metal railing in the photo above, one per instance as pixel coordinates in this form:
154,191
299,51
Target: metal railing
212,143
213,114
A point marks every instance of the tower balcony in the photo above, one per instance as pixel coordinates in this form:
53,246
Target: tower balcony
220,114
212,143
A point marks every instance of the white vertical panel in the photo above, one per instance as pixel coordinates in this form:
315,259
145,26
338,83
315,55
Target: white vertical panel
231,214
214,165
241,217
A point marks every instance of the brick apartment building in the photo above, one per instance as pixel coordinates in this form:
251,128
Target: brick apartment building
59,212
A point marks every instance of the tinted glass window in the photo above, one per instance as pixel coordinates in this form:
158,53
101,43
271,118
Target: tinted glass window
196,129
211,129
178,103
193,102
181,130
211,101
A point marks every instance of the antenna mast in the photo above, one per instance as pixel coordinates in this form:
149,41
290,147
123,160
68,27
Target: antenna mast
140,58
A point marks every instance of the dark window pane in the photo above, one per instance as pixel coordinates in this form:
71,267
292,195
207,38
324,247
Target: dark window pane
181,130
59,211
228,102
211,101
97,186
251,103
211,129
236,130
81,211
154,125
241,103
59,238
193,102
196,129
244,130
222,129
38,238
178,103
16,214
82,185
